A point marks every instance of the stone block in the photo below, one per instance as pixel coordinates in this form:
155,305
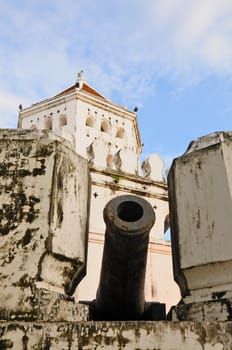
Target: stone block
200,196
116,335
218,309
44,207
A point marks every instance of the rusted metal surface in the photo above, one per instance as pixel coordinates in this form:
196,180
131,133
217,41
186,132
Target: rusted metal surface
120,295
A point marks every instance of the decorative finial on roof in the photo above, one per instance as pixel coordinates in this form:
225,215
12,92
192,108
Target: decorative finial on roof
80,74
80,78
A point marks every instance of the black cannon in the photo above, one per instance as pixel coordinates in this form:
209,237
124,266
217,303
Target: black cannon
120,294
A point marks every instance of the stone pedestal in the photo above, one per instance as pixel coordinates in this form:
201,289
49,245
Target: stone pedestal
44,208
200,195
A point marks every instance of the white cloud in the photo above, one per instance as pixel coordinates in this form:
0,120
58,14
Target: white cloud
9,106
204,35
122,46
218,53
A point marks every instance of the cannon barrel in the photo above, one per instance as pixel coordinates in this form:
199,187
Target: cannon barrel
120,294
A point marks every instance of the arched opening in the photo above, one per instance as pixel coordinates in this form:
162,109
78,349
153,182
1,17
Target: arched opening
89,121
120,133
63,120
48,123
105,126
109,161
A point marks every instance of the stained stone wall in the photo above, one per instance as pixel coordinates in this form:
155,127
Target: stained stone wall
199,185
44,201
116,335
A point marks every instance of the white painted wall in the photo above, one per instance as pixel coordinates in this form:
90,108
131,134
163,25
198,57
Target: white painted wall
106,135
116,130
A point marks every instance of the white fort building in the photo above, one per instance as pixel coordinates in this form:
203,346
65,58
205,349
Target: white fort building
108,136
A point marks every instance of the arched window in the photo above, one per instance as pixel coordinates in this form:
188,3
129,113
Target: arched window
48,123
105,126
89,121
109,161
120,133
63,120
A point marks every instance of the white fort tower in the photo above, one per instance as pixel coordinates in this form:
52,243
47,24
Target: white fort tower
108,136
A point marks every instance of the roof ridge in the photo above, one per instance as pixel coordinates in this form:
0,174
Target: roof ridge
68,89
89,89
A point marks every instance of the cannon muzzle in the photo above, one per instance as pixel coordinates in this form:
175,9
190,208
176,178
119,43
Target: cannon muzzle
120,294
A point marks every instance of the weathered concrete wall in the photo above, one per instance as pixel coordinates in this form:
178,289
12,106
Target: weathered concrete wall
116,335
45,305
44,195
200,211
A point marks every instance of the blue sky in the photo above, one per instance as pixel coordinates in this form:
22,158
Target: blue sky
171,58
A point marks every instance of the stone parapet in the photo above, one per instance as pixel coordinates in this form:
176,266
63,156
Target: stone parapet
116,335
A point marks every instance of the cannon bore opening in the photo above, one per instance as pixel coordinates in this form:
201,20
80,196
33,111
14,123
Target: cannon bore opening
129,211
